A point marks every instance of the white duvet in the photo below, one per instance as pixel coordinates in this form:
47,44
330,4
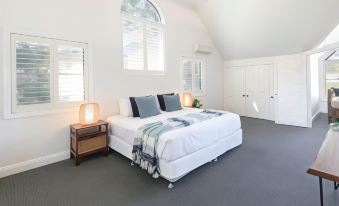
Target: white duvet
180,142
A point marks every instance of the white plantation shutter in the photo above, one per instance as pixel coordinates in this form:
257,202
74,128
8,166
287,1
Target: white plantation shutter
71,69
33,65
154,39
193,75
47,73
142,45
133,45
198,76
187,69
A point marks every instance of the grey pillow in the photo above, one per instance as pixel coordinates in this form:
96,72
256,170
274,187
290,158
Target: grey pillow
147,106
172,103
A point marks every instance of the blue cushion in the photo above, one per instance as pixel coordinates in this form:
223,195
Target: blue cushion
172,103
147,106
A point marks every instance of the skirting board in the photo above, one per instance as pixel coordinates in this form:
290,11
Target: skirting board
34,163
315,116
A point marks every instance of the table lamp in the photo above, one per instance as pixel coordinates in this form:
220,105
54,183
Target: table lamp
187,99
89,113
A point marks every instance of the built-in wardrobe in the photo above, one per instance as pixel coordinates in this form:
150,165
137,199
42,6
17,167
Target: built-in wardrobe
271,88
249,91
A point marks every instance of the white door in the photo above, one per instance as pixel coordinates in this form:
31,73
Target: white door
258,91
235,79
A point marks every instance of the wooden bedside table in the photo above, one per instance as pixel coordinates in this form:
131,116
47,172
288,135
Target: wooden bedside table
88,139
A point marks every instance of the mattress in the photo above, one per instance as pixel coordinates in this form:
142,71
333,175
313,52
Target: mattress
180,142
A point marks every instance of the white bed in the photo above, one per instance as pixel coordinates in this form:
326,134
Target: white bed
183,150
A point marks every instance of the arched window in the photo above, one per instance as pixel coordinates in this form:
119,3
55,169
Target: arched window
142,31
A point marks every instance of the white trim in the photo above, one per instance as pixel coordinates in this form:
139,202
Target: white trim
315,116
33,163
39,113
249,62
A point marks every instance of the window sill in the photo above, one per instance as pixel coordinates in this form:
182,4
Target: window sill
144,72
9,116
199,94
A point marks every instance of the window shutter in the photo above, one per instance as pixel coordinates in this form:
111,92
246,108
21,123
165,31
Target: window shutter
133,45
33,64
193,75
154,39
71,69
198,77
188,66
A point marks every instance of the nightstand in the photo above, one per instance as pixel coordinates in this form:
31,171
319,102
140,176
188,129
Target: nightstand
88,139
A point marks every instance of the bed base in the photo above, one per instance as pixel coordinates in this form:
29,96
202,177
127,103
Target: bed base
176,169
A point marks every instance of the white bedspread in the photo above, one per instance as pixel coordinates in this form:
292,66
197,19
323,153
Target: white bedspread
178,143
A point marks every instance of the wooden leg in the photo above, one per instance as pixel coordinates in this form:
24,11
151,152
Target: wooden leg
106,152
77,161
321,191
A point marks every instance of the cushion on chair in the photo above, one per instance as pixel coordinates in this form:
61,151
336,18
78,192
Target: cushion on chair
336,91
335,102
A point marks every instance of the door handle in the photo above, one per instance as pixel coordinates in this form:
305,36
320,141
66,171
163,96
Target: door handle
272,97
243,95
247,96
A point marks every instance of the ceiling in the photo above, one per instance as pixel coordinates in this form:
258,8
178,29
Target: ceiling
259,28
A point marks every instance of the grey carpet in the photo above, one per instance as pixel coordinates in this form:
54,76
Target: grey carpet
268,169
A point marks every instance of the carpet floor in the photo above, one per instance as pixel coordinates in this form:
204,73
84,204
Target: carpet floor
268,169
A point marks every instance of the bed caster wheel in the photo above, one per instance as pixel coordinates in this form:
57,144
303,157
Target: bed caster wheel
215,160
170,186
132,163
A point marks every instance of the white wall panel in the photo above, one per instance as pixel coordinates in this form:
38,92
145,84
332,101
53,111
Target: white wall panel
292,90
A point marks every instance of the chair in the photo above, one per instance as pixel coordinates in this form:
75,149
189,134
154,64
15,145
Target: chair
333,112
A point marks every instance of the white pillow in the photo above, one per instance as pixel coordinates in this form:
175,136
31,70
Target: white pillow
125,107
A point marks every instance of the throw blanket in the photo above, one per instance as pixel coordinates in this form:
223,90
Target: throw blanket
145,145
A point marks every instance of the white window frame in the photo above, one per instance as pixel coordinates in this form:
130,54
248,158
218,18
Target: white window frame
324,83
195,60
145,23
9,77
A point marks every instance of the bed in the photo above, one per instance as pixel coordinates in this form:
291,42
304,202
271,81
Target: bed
183,150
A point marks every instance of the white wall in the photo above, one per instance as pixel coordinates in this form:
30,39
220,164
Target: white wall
47,137
314,78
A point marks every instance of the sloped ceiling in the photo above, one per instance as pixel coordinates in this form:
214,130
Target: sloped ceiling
259,28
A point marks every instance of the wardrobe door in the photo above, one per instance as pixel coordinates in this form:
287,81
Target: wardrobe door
258,91
235,79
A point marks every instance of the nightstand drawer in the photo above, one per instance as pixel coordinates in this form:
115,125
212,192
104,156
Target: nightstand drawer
91,144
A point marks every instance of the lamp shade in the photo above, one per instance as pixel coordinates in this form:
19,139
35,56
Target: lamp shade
89,113
187,100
